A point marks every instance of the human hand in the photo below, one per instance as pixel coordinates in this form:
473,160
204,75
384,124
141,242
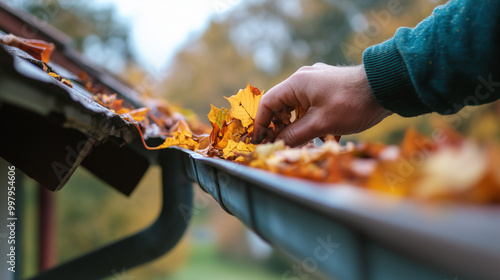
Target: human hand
337,100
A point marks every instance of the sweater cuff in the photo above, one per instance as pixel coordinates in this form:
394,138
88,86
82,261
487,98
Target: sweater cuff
390,81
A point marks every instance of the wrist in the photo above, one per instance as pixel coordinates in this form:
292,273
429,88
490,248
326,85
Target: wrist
390,81
365,89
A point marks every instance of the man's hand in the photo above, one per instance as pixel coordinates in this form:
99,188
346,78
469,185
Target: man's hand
338,101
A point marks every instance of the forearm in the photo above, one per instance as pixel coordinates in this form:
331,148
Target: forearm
448,61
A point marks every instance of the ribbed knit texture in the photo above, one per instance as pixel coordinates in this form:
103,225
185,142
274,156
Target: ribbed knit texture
448,61
390,82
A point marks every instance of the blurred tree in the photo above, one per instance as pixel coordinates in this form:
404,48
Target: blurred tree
380,23
262,42
95,29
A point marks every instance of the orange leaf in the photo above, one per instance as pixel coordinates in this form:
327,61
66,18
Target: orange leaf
414,142
40,50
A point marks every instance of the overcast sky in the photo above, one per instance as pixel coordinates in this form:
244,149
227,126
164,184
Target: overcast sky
160,27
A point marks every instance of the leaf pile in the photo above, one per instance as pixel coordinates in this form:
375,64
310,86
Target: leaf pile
447,168
450,168
115,105
157,120
232,128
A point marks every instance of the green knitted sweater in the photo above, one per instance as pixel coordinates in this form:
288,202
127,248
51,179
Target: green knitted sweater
450,60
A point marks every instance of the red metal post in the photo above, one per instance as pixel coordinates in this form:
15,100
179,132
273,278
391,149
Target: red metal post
47,249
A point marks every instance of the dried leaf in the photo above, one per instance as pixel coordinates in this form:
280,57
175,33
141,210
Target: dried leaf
392,177
218,116
235,149
39,49
244,105
440,179
139,114
451,169
414,142
299,112
231,132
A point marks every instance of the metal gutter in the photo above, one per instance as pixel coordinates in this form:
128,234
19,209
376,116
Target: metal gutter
378,237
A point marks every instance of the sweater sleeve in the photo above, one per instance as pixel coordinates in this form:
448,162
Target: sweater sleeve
448,61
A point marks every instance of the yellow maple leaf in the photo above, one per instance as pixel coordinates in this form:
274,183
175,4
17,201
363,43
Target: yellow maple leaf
235,149
244,104
218,116
180,139
186,142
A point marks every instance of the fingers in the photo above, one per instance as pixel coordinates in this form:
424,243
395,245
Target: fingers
272,103
290,93
300,131
262,121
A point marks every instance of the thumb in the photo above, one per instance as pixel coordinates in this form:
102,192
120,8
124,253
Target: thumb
300,131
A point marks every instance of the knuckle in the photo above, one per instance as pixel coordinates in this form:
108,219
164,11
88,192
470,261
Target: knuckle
298,77
265,97
304,68
318,64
